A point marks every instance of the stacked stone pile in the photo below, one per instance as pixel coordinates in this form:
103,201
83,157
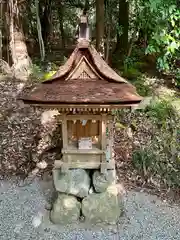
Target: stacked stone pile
88,194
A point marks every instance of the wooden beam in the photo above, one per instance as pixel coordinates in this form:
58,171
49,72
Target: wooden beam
83,117
84,165
86,117
82,151
90,106
103,132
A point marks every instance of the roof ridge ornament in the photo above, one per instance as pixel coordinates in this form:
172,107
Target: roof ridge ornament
83,29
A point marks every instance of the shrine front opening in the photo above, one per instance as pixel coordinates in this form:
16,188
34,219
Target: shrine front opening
87,140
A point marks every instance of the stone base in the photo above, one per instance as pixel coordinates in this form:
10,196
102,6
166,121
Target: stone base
102,181
75,182
103,207
101,198
66,210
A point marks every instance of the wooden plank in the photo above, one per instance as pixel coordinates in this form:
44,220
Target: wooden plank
70,130
100,133
94,128
103,132
111,143
90,129
90,106
87,128
83,158
84,117
65,141
79,129
74,124
110,138
103,142
84,165
64,132
83,151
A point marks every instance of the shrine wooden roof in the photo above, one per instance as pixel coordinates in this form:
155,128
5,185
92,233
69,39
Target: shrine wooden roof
84,79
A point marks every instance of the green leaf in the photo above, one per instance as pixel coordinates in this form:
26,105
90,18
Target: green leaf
172,22
172,8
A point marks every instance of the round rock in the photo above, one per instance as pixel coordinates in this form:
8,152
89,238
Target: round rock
102,181
75,182
103,207
66,210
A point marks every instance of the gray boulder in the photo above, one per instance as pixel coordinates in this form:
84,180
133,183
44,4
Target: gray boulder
102,181
103,207
75,182
66,210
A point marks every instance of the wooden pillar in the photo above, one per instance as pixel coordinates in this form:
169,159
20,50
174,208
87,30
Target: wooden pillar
64,132
110,140
65,143
103,143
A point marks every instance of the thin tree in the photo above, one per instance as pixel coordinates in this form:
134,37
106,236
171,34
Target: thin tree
61,20
123,27
100,26
1,27
39,30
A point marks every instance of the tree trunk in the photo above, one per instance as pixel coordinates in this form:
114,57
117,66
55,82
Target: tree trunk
61,19
1,30
107,43
46,21
123,24
108,22
39,30
20,58
6,51
100,26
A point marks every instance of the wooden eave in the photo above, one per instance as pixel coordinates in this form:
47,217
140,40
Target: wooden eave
85,79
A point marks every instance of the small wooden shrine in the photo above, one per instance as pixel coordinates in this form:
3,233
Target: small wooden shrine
85,90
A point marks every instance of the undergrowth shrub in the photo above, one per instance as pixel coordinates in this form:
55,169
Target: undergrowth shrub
36,71
131,68
161,112
159,158
155,142
143,87
44,71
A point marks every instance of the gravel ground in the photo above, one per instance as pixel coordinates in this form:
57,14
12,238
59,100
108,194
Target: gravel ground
23,217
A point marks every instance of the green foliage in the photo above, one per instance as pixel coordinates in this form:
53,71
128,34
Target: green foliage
143,160
160,111
143,87
131,68
157,23
155,168
165,39
177,75
159,159
41,73
36,71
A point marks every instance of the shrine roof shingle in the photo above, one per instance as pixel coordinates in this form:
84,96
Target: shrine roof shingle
96,83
